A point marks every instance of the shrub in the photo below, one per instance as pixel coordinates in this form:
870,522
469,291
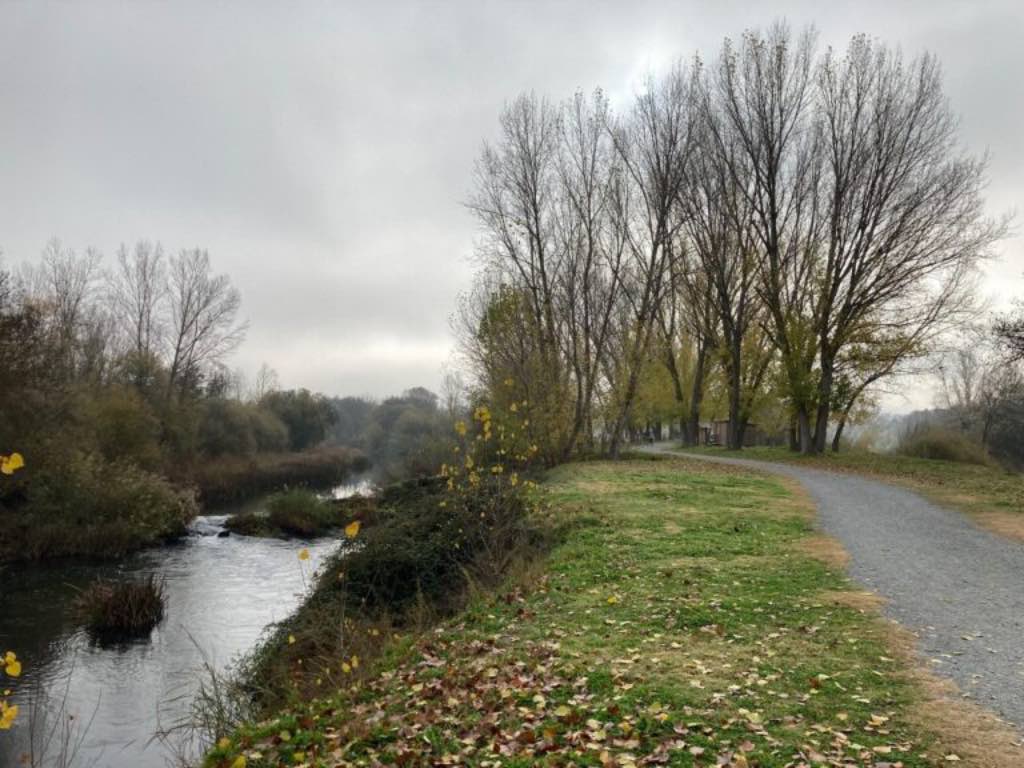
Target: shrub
268,430
82,505
226,428
299,512
930,442
121,610
126,428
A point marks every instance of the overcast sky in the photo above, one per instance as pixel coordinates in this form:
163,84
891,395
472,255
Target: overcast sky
321,151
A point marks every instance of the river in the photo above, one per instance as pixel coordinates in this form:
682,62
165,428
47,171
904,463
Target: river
222,593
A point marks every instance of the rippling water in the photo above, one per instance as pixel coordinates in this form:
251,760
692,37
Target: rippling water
221,595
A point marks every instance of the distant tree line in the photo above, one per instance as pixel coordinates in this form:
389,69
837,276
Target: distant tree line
775,233
409,435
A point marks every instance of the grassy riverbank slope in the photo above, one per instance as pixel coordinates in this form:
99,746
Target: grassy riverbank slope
690,617
993,496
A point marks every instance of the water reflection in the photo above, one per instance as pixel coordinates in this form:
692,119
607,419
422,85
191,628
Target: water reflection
222,593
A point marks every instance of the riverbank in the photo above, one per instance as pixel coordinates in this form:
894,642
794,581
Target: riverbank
86,507
690,616
992,496
234,478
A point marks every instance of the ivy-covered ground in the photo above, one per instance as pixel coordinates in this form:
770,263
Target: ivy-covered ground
685,621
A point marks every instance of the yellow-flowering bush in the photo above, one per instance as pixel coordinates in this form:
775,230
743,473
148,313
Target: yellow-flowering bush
487,494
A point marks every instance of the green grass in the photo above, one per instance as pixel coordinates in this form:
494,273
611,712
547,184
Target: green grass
678,623
976,489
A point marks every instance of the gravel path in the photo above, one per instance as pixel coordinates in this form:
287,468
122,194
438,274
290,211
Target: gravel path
960,588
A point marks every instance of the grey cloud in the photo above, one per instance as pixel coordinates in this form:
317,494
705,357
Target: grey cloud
320,151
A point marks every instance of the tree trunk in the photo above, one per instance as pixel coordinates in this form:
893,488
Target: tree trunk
803,421
841,425
838,435
734,431
794,439
697,394
824,403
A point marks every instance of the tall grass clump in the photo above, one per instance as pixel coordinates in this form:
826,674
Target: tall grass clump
300,512
119,610
932,442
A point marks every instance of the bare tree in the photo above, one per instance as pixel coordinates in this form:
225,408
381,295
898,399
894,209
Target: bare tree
203,324
864,203
591,201
762,131
718,219
63,286
654,143
548,197
137,289
903,207
1009,330
266,382
688,330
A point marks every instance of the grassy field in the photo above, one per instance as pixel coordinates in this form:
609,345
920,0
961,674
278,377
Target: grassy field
995,497
689,619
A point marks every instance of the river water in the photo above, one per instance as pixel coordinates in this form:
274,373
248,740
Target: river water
222,593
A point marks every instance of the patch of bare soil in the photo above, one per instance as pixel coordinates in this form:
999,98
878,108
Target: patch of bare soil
826,549
1005,524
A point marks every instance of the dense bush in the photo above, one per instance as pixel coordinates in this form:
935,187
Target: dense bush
234,428
268,431
299,512
125,428
307,416
932,442
81,505
120,610
226,428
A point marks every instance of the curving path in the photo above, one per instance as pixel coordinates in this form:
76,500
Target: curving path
959,587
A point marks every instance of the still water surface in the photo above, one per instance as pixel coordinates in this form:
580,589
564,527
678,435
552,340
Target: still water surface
222,593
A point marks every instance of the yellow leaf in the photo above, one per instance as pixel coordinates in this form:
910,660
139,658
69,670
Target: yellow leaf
11,664
355,662
352,529
291,639
613,600
239,762
8,464
224,742
303,554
